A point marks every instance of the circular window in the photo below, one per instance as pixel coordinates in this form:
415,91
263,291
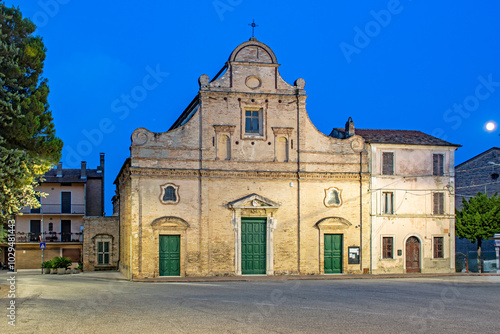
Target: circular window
252,82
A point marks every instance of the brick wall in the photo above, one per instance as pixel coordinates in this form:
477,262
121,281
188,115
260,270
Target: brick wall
96,229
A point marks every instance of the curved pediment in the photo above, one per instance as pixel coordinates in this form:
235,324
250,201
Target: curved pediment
333,223
170,222
253,51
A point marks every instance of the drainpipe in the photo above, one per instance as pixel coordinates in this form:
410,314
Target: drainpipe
298,180
361,209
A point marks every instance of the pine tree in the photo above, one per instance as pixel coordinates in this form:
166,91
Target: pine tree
28,144
478,220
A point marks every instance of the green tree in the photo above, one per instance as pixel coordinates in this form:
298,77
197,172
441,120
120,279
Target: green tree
28,144
478,220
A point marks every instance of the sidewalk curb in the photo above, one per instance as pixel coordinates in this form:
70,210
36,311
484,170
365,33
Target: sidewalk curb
259,278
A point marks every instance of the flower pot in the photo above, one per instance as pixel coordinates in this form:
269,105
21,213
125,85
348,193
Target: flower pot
53,270
46,270
61,271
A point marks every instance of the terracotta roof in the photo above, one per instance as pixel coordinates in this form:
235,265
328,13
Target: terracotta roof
70,175
406,137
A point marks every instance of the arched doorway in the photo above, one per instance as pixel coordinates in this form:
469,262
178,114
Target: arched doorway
412,255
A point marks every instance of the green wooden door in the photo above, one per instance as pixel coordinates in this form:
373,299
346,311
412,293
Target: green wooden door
333,253
170,255
253,246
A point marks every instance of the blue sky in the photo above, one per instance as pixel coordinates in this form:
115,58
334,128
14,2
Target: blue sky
412,65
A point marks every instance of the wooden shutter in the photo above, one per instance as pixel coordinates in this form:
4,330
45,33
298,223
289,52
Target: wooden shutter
387,252
438,248
437,164
388,163
438,199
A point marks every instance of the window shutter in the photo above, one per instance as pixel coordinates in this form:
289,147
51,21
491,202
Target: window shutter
438,200
438,247
387,163
437,164
387,248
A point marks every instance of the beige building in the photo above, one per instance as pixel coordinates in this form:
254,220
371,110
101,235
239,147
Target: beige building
58,223
412,201
243,183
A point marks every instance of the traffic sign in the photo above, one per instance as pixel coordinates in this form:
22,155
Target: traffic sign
42,245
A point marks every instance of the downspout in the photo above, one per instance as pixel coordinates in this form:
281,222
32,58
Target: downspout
361,209
371,206
298,180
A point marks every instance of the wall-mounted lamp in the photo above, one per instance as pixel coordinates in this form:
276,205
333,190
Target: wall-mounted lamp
449,187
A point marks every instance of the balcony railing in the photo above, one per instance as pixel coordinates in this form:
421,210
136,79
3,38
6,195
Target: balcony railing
74,209
22,237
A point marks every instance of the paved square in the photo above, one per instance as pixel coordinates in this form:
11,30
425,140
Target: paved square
93,303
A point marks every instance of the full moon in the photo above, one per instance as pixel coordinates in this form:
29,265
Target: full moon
490,126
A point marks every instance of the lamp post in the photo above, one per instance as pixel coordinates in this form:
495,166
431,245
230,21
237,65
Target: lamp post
41,237
497,236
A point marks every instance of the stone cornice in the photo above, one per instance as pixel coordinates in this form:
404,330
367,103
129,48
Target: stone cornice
282,131
224,128
140,171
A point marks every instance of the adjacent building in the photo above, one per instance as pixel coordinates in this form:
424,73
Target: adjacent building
411,201
479,174
71,195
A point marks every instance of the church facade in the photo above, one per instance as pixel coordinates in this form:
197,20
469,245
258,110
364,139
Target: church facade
244,184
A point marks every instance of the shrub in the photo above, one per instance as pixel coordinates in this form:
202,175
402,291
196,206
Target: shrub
47,264
61,262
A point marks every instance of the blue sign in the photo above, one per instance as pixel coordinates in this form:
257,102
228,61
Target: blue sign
42,245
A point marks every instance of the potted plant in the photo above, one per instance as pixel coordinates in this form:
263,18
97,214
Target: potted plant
61,263
80,266
53,268
46,265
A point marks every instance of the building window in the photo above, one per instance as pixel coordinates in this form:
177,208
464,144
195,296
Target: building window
169,194
51,227
438,248
333,197
103,252
37,210
437,164
65,202
438,200
35,230
387,163
253,122
387,247
388,203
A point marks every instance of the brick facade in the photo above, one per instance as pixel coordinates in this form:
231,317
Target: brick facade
104,229
225,171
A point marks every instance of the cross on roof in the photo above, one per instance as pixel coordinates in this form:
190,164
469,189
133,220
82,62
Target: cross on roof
253,25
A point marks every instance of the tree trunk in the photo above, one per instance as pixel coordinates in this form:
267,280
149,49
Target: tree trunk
479,262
